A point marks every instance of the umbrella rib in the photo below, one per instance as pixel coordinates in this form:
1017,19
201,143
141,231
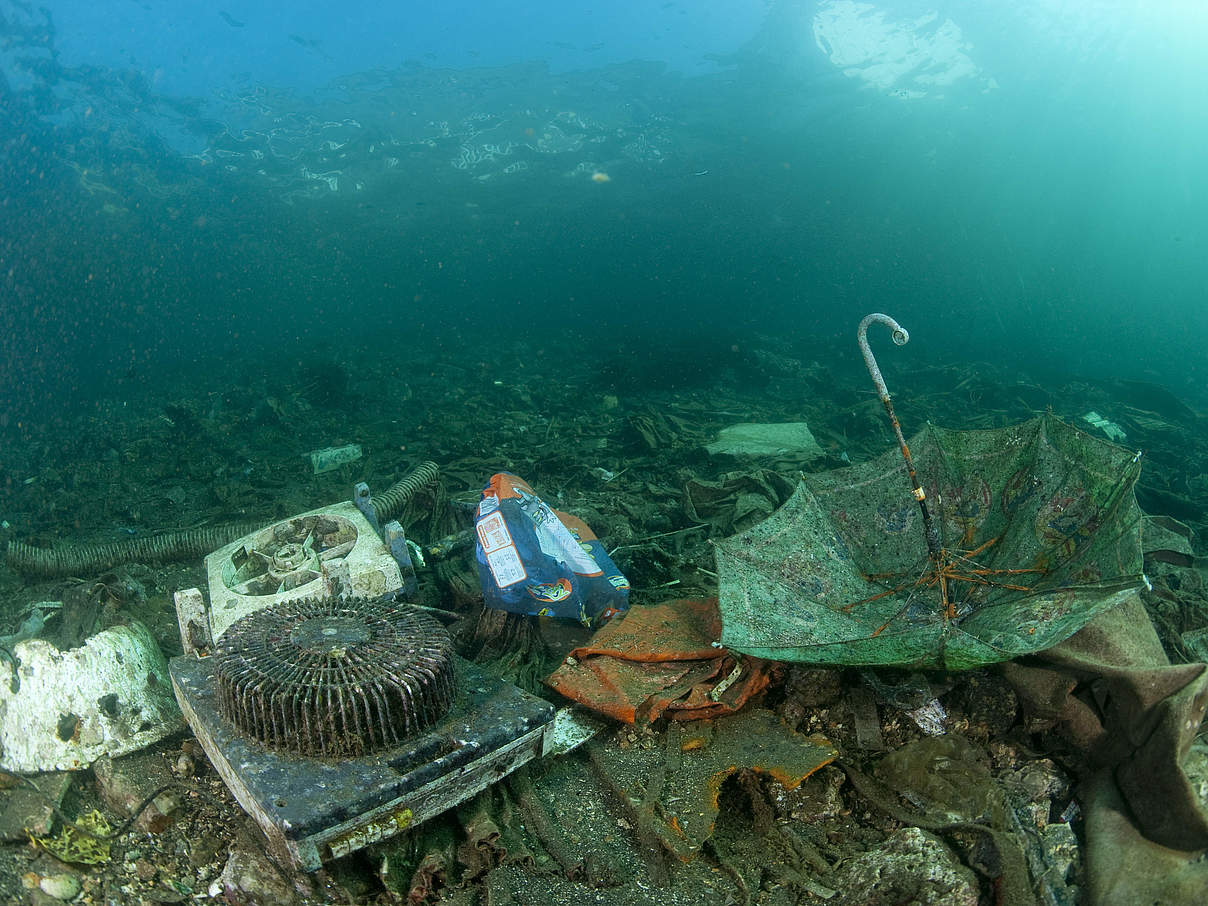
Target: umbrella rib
943,577
981,580
921,579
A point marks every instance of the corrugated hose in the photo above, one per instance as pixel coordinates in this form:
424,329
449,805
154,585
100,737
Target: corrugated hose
168,547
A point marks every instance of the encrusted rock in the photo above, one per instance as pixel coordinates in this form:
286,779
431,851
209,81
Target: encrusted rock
1061,850
125,782
23,811
1035,784
61,886
250,878
815,799
910,866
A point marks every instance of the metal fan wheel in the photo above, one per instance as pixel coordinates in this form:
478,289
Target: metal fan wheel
335,677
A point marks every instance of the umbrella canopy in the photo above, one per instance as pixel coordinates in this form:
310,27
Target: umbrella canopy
1038,531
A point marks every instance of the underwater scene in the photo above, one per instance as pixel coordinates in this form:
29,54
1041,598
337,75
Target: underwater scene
680,453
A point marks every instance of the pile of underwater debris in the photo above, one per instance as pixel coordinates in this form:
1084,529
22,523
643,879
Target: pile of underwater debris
968,671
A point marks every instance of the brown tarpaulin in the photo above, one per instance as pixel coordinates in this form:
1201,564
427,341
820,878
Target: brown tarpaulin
660,660
1132,716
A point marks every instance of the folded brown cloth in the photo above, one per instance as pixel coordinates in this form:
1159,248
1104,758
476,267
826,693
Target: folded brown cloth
660,660
1131,716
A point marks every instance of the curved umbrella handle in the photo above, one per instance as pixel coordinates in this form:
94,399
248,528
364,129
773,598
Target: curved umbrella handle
901,336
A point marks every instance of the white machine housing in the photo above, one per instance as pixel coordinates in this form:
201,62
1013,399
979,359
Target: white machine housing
320,553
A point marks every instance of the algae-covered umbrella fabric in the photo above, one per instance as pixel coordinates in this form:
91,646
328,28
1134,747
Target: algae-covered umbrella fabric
1039,529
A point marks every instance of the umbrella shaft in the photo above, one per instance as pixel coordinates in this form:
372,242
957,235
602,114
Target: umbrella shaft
916,488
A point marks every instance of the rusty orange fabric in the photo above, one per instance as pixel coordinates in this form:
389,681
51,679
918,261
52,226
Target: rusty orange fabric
660,661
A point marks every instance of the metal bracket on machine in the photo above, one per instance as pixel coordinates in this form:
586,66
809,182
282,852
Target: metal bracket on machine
364,502
391,534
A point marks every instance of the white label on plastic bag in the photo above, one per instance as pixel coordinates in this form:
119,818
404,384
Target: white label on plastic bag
493,532
506,566
502,556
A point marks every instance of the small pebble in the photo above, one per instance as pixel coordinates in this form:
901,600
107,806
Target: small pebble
61,887
184,766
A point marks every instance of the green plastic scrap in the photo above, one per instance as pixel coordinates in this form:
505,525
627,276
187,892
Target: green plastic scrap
83,843
1113,431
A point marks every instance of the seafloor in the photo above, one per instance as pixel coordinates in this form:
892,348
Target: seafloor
613,437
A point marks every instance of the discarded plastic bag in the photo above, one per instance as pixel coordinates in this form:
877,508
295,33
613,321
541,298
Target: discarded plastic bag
535,560
659,661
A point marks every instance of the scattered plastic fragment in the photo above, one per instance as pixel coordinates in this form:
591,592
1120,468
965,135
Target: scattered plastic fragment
333,457
80,847
748,439
930,718
1113,431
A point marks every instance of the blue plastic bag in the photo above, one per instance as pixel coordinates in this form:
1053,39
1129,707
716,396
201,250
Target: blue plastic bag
534,560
